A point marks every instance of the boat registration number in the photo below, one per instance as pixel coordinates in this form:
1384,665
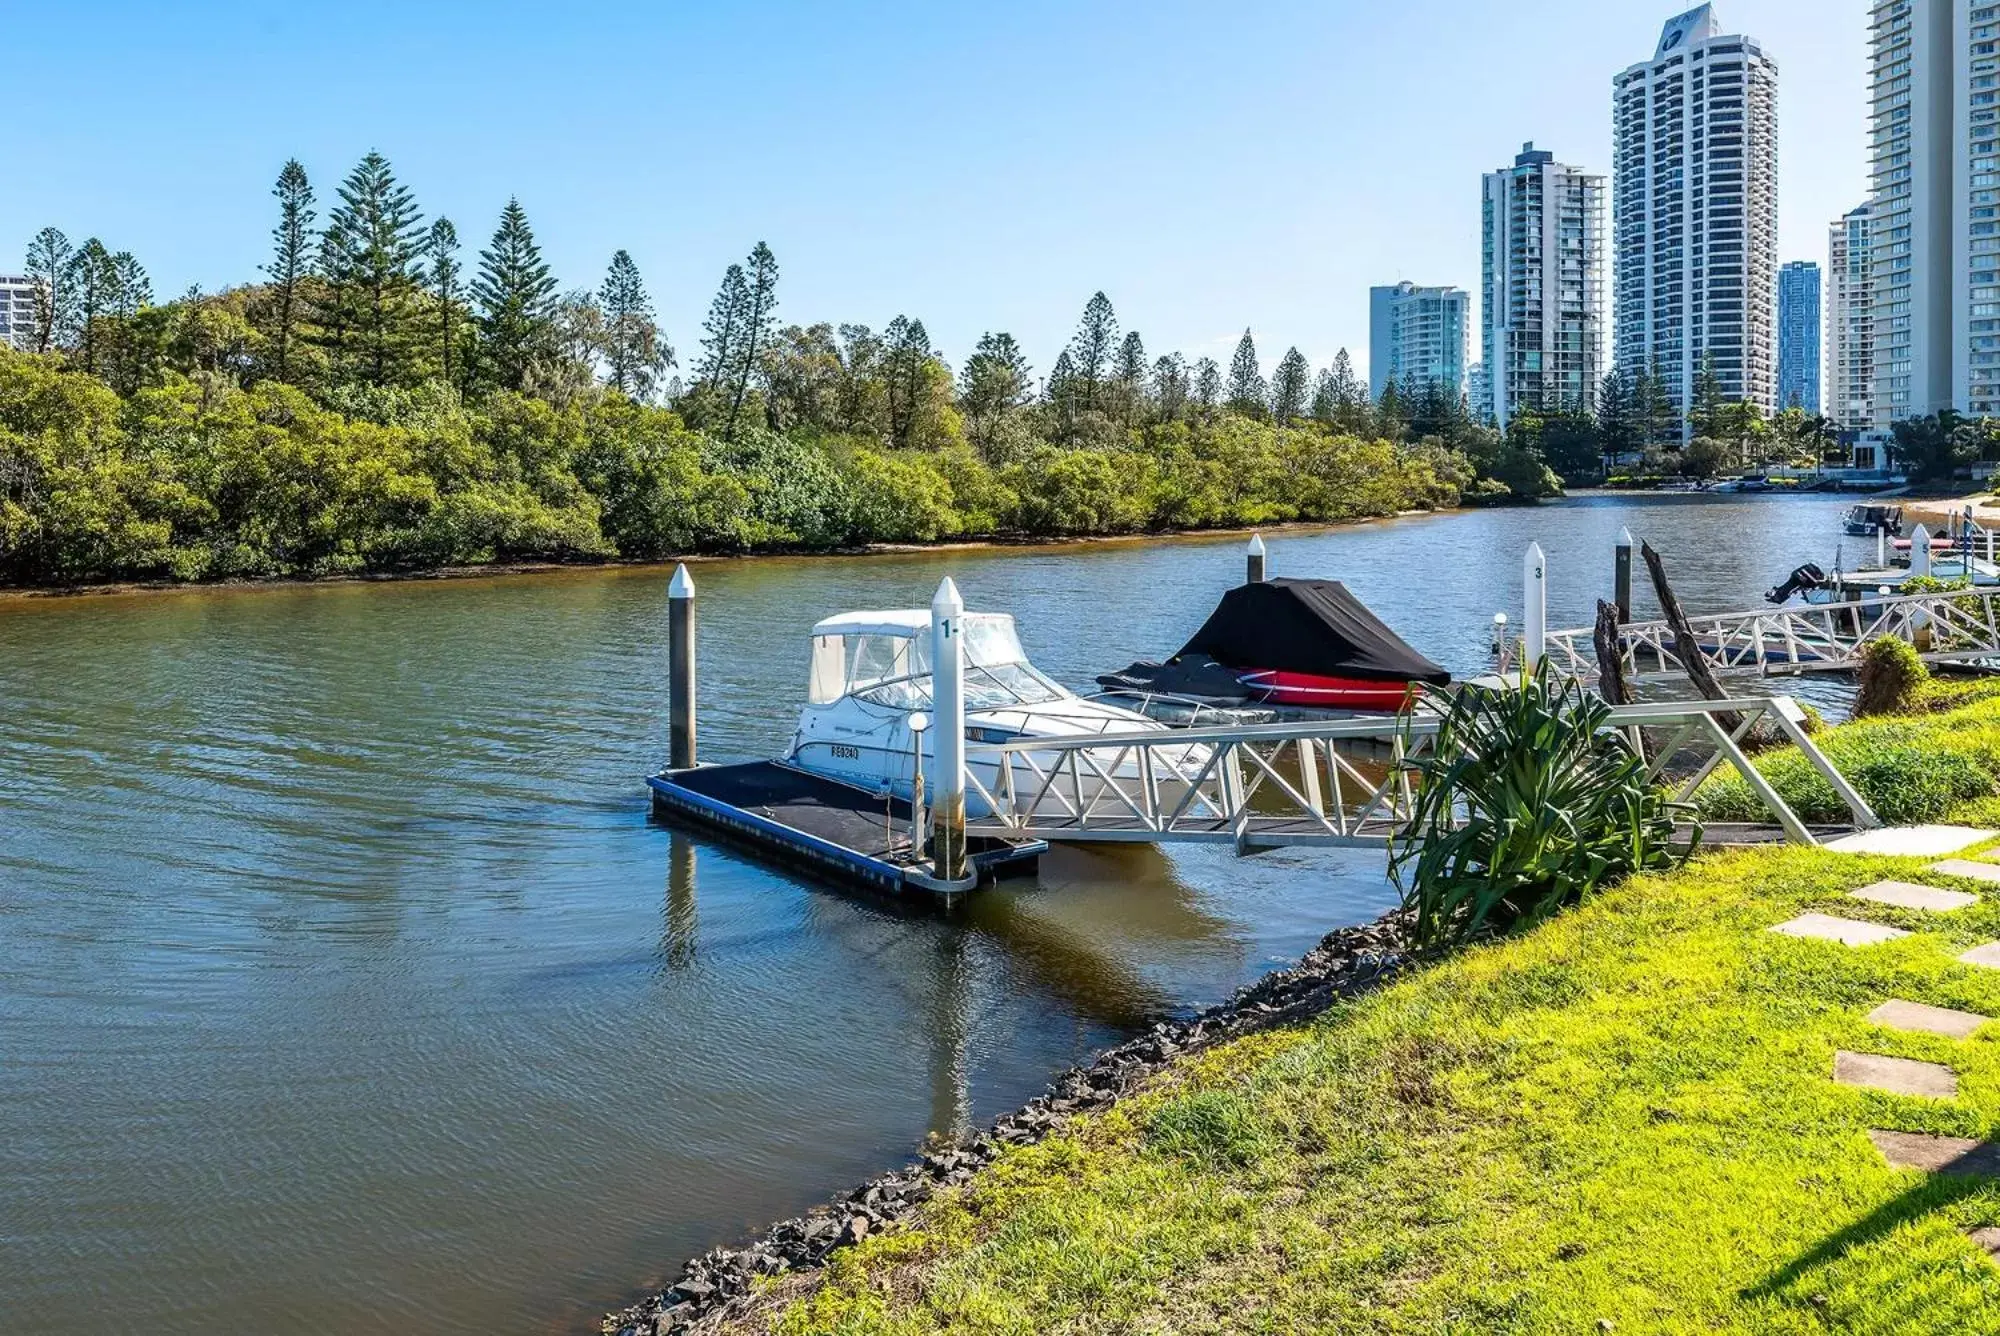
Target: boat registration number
844,751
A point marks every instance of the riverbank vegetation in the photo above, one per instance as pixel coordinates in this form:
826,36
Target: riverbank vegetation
1621,1120
377,401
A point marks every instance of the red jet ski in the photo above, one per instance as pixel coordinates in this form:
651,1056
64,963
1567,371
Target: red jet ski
1313,691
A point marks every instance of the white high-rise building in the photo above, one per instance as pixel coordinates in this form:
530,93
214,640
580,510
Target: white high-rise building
1935,224
17,312
1541,324
1416,338
1695,212
1850,324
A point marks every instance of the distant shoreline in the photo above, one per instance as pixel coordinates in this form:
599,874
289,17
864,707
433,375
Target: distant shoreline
496,570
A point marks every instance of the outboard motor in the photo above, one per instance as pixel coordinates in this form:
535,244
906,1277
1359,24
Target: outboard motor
1805,578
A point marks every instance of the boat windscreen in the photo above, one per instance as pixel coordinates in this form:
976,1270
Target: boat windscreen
854,664
994,688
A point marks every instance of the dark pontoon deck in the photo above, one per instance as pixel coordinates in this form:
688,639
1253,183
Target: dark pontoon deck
819,824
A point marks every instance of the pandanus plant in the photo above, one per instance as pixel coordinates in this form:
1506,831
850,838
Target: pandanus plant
1528,802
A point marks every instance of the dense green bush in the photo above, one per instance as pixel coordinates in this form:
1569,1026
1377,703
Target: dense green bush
1892,678
192,477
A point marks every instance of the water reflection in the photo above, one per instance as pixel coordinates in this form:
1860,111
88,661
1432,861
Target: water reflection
683,918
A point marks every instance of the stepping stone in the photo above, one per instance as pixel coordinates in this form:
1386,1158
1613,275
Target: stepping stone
1900,1015
1987,955
1965,867
1988,1238
1910,841
1898,1076
1938,1155
1909,895
1848,931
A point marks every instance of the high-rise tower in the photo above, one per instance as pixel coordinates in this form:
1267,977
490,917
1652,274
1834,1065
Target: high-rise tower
1695,212
1541,323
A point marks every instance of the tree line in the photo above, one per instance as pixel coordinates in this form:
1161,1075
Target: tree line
375,400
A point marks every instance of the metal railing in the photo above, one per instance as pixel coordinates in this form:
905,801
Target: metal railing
1343,783
1960,626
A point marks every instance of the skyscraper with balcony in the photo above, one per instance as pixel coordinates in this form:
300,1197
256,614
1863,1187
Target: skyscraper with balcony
1935,224
1541,322
1798,336
17,312
1416,337
1849,398
1695,212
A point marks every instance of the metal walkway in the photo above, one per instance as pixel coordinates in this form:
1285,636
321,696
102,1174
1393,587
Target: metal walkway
1346,784
1957,627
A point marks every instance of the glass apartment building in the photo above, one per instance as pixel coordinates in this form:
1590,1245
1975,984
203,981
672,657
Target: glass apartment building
1798,336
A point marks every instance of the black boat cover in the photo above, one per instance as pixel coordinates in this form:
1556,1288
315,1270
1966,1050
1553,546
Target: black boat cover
1195,676
1308,626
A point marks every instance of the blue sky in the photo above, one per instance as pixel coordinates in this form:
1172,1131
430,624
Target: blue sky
1209,166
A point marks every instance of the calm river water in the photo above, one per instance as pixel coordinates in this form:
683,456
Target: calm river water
347,987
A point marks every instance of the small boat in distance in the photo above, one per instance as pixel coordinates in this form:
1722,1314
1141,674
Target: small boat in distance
1864,520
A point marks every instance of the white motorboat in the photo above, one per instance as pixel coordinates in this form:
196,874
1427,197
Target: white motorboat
871,674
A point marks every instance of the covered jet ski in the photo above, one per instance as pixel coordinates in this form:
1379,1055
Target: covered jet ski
1299,643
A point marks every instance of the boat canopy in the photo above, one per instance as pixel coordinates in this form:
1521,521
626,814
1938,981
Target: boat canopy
867,652
1308,626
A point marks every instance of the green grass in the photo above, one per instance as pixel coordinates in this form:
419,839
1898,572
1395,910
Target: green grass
1910,768
1625,1114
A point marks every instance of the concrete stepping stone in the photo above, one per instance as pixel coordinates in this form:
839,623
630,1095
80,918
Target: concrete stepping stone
1909,895
1987,955
1938,1155
1965,867
1847,931
1911,841
1897,1014
1988,1238
1898,1076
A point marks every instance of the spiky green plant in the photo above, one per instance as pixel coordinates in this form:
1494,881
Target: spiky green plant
1528,802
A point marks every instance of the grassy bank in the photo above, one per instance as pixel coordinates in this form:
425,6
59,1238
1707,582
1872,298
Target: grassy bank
1941,758
1624,1117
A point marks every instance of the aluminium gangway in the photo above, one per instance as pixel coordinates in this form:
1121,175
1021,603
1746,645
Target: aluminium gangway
1346,783
1961,626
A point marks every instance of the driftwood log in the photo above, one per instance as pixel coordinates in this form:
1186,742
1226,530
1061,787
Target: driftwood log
1686,647
1610,656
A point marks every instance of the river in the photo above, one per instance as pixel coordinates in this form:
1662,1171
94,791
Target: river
346,985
